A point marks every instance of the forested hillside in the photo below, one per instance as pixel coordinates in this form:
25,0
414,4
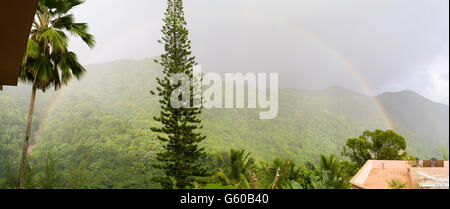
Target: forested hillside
96,132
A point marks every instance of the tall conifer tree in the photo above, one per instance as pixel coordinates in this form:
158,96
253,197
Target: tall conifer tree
179,132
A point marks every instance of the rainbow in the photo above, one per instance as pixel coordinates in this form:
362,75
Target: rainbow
111,43
52,104
346,62
366,86
45,116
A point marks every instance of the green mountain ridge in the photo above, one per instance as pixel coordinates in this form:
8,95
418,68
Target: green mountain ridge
109,112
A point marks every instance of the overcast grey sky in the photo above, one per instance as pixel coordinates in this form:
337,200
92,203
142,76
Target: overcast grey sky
381,45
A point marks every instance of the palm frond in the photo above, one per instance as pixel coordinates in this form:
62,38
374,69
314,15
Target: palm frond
76,29
44,68
63,22
57,39
70,60
80,29
32,51
60,6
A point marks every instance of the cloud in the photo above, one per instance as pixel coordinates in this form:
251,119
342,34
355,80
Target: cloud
438,73
383,44
433,81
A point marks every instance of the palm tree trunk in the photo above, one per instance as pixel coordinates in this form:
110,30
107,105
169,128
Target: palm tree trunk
27,137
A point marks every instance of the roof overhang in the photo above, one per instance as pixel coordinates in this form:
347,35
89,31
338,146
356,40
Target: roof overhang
17,17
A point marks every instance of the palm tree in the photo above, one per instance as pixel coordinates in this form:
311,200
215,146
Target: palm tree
240,164
47,61
329,163
330,170
279,174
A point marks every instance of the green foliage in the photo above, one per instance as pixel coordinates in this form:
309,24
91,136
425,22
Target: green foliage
286,170
223,178
293,185
217,186
212,186
9,176
358,150
323,181
327,181
77,175
329,163
331,173
180,126
444,152
396,184
243,183
230,168
30,178
240,165
307,179
377,145
104,119
50,178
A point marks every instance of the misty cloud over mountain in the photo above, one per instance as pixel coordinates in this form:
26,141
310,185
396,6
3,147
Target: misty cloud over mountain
385,45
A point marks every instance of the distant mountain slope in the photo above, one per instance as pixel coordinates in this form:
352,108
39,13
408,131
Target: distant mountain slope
308,123
423,117
346,103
